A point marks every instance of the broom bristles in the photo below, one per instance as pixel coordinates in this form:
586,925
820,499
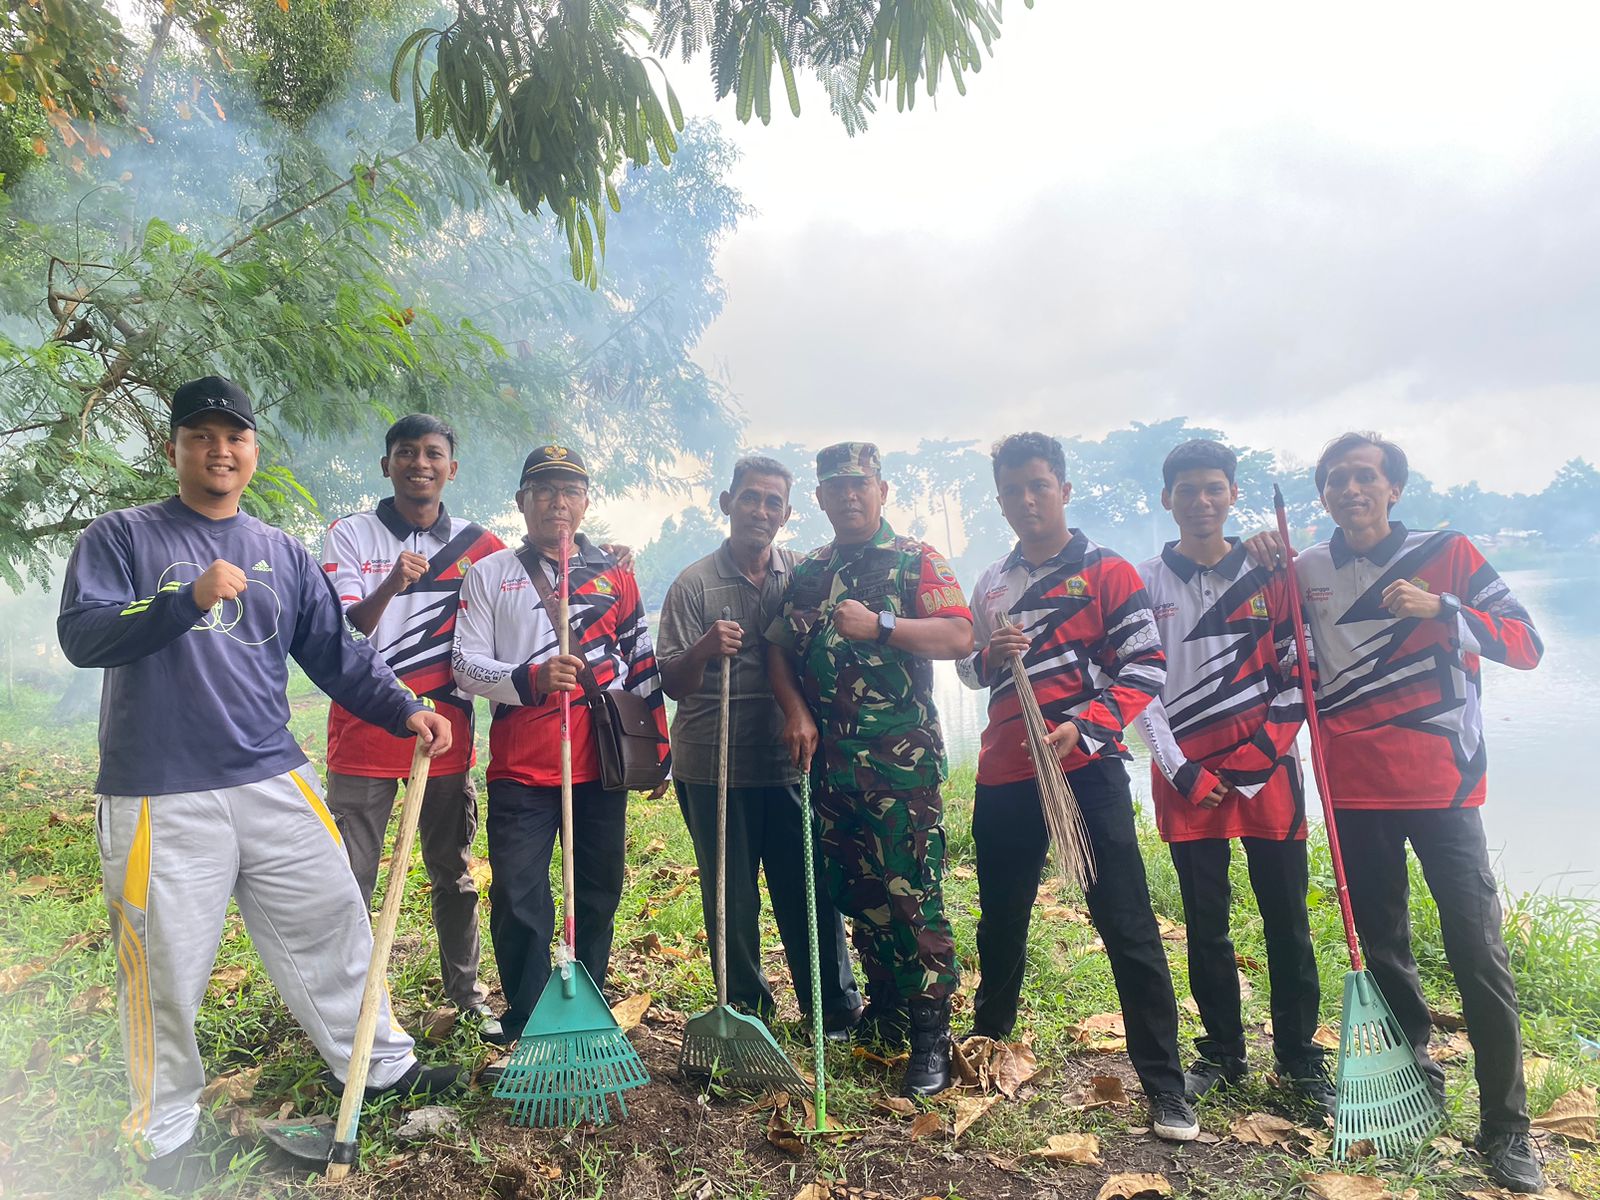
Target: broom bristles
1062,816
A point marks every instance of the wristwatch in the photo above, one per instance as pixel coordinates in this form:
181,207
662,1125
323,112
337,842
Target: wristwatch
885,626
1449,606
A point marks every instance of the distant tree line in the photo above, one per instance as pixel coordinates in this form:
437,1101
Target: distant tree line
943,491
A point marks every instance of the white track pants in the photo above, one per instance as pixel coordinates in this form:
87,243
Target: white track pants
170,863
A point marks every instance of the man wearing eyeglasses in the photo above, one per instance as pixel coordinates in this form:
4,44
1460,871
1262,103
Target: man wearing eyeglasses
507,648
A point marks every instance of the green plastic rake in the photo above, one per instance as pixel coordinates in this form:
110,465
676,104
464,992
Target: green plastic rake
722,1043
573,1057
1382,1094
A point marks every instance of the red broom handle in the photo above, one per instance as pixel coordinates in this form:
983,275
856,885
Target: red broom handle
1318,760
569,922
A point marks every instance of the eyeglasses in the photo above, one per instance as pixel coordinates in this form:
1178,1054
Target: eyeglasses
546,493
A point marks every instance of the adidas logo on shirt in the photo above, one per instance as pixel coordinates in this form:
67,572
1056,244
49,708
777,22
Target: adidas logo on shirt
262,566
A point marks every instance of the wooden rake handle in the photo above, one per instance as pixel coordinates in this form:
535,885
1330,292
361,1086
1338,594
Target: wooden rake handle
355,1083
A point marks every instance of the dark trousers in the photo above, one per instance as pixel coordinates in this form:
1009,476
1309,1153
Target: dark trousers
446,826
1455,861
1009,834
523,824
1278,878
764,830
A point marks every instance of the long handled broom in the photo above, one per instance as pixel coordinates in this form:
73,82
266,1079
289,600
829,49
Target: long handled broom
722,1042
314,1141
1383,1096
1062,816
573,1056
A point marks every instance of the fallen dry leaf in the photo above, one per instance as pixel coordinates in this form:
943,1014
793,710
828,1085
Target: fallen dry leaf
14,977
969,1109
963,1060
1446,1147
1171,931
1134,1186
925,1124
1326,1036
1447,1021
814,1191
1362,1149
1081,1149
1011,1064
1534,1068
1100,1091
1572,1116
1263,1129
1063,912
235,1086
1333,1185
437,1024
478,868
546,1170
628,1013
1452,1048
782,1135
1189,1006
1103,1032
897,1105
1246,962
227,980
38,885
95,999
1085,949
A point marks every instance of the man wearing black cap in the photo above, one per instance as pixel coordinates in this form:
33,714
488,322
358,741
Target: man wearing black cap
193,607
508,649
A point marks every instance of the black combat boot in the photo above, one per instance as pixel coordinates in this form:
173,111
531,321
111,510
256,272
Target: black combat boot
928,1072
884,1023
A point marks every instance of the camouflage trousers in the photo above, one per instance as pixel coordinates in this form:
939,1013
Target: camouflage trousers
883,864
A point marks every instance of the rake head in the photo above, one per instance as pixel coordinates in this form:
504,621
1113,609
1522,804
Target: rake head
1383,1095
736,1050
573,1058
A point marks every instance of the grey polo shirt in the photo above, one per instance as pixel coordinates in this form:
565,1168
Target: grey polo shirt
756,757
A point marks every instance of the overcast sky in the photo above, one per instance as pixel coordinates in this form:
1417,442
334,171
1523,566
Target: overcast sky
1283,220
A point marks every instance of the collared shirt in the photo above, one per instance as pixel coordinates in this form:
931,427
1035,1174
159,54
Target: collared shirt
873,704
413,634
1095,658
1399,697
756,755
1231,706
504,631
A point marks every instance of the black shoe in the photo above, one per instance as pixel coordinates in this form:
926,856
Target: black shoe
489,1027
419,1081
1511,1160
840,1026
1171,1118
883,1025
1310,1081
1206,1075
928,1071
178,1172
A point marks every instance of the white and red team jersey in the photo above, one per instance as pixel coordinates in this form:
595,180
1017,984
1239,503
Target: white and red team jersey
1231,706
1398,698
414,634
503,633
1095,657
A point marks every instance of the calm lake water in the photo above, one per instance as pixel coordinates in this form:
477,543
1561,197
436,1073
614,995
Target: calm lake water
1543,814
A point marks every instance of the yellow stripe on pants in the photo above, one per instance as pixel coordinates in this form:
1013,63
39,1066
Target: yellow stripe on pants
318,807
135,967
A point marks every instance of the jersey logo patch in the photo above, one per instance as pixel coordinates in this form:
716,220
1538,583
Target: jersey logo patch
1165,612
1420,582
1258,605
1077,586
943,570
1319,595
462,564
603,585
262,566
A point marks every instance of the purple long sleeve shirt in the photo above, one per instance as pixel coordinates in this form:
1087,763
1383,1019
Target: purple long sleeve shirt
197,700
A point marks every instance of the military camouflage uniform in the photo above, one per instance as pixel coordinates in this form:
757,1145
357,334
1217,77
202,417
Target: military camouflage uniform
877,791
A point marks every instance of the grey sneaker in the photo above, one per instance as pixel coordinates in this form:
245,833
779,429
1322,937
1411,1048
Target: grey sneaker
1172,1119
1511,1161
1207,1076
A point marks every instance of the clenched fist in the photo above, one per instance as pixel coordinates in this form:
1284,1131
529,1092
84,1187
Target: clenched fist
855,621
559,674
220,581
407,569
723,639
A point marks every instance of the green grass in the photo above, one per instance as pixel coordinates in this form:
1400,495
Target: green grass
62,1090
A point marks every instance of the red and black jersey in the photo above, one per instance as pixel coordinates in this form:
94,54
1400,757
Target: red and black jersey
1399,697
414,633
503,633
1231,705
1095,659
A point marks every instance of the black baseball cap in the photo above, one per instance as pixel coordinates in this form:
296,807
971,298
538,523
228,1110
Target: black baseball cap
551,459
212,394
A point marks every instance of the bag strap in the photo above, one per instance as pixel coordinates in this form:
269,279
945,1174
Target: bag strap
532,564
